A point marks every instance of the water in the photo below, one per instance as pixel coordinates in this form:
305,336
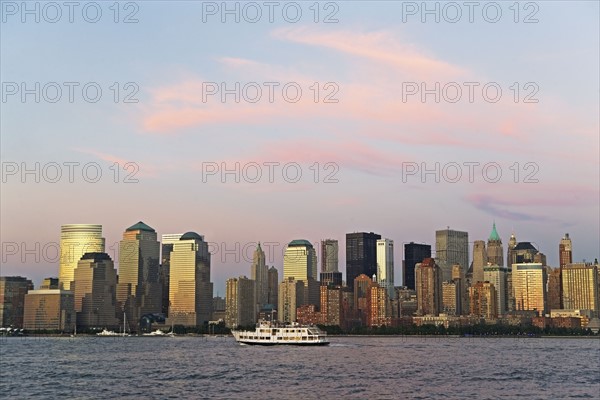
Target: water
350,368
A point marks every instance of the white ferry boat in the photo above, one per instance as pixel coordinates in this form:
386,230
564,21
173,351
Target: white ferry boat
268,334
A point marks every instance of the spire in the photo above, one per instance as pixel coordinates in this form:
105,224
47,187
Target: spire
494,235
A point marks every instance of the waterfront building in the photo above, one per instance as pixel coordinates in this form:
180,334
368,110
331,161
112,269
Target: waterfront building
12,300
240,302
451,247
429,287
291,296
49,309
496,274
94,290
139,290
529,286
483,300
190,288
167,242
580,287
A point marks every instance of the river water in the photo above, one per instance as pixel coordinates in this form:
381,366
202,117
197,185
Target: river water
350,368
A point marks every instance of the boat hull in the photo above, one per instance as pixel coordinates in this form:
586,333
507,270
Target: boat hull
290,343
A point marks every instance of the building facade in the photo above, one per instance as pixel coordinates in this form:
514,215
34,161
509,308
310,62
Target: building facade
385,266
451,247
329,255
190,288
240,302
414,253
291,296
429,287
12,300
94,292
361,255
75,241
580,287
49,309
139,290
529,286
496,275
259,273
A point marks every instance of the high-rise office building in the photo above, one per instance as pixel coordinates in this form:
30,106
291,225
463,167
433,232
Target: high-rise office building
458,277
565,257
94,291
291,296
580,287
329,255
300,261
49,309
451,247
379,310
385,266
523,252
361,295
496,274
529,286
190,288
75,241
12,300
482,299
259,273
273,297
139,291
510,294
167,242
361,255
331,278
495,250
331,305
414,253
479,260
240,300
554,285
565,251
451,298
429,287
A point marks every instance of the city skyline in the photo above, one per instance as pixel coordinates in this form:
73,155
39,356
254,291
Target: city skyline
274,256
363,147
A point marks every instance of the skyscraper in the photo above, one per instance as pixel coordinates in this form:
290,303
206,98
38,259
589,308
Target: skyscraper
291,296
496,274
479,260
139,291
554,285
429,287
240,300
483,300
329,255
385,266
12,300
414,253
259,273
75,241
361,255
529,285
580,287
300,263
510,259
565,257
495,251
190,288
94,291
273,287
451,247
167,241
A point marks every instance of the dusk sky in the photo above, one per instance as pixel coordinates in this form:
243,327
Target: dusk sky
370,138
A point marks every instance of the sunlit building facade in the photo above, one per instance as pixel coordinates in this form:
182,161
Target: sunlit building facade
49,309
580,287
291,296
190,288
75,241
139,291
240,298
496,274
385,265
94,291
483,300
429,287
259,273
529,286
12,300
